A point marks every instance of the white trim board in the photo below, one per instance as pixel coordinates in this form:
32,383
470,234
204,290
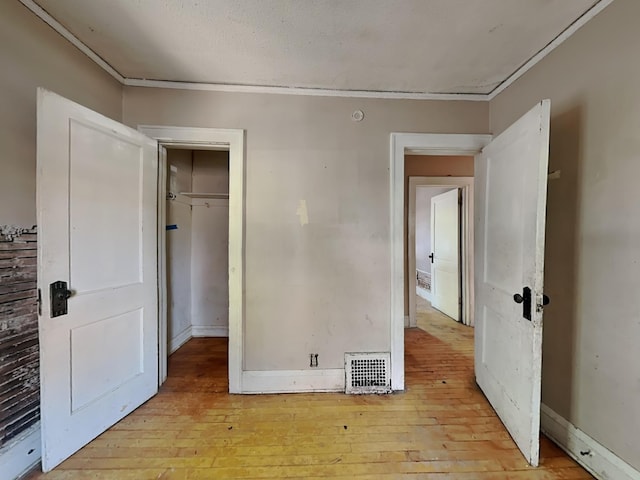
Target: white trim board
209,331
595,458
214,138
284,90
400,144
176,342
22,455
288,381
423,293
311,92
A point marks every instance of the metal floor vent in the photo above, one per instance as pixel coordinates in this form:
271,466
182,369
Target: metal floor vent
367,372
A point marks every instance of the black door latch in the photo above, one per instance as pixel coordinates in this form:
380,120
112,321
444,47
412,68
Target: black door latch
59,294
525,300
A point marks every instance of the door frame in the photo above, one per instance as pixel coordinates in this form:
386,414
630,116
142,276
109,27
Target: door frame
401,144
465,184
207,139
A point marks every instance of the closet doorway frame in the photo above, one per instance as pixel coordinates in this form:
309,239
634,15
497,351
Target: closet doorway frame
194,138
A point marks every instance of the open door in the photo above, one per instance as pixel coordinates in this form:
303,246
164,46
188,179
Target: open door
510,202
97,273
445,253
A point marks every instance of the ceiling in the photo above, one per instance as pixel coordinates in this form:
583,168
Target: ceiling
415,46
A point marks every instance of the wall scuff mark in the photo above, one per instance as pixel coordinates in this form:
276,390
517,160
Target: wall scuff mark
302,213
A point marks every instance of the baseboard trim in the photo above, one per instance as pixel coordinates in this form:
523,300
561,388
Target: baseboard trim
176,342
200,331
22,455
293,381
597,459
423,293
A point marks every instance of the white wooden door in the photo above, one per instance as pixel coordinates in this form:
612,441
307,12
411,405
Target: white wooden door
97,229
510,202
445,248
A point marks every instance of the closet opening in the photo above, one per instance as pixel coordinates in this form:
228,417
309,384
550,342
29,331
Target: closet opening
197,254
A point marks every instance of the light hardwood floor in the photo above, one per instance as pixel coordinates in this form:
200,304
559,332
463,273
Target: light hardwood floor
440,428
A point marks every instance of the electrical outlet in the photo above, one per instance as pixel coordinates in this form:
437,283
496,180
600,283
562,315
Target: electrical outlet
313,359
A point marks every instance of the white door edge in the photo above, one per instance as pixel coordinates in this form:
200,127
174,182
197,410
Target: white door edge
162,266
400,144
214,138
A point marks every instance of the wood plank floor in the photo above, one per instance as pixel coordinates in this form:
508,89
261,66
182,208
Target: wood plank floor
440,428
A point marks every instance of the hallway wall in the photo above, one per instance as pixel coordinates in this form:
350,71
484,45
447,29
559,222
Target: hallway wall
591,372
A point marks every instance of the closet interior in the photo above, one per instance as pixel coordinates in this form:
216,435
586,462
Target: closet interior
197,241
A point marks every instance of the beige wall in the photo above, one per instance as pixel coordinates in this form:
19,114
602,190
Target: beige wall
591,359
211,171
428,166
33,55
322,287
210,245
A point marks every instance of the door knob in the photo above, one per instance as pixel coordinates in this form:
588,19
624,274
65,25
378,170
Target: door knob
64,294
525,300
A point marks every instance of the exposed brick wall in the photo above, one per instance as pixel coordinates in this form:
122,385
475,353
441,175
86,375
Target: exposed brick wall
19,354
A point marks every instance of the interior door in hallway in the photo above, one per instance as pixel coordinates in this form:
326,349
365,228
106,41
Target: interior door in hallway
510,202
97,273
445,253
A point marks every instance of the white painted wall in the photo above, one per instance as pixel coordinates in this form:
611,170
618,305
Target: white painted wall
591,368
210,242
323,286
423,224
179,249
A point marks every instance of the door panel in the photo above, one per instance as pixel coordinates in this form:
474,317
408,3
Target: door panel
445,246
510,202
97,220
98,209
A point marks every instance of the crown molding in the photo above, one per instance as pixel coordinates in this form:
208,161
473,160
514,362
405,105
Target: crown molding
75,41
319,92
551,46
315,92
